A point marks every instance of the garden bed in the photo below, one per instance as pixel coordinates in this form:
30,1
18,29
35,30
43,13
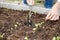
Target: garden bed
12,26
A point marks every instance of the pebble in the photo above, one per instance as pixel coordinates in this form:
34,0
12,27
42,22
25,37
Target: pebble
17,22
15,25
34,29
26,38
11,28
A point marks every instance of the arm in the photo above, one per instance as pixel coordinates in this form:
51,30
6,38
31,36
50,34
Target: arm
56,6
53,14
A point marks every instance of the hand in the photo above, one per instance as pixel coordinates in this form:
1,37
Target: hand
30,2
53,15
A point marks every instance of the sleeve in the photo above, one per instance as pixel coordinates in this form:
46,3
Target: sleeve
58,0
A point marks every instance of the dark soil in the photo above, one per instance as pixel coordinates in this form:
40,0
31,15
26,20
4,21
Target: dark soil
12,26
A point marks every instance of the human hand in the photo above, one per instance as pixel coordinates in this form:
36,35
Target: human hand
53,15
30,2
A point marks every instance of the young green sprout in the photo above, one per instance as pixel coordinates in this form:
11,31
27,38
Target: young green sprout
1,35
56,38
37,26
17,24
42,23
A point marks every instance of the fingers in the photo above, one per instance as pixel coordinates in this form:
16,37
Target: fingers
56,18
47,17
52,16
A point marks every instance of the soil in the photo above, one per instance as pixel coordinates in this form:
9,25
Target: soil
12,26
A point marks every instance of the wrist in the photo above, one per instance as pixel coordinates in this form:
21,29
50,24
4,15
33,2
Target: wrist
56,6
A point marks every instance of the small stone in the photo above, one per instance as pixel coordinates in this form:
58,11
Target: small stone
34,39
15,25
26,38
43,27
17,22
3,33
58,38
8,29
57,33
34,29
18,39
43,18
11,28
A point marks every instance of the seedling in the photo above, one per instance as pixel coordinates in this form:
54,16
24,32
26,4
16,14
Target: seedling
56,38
42,23
29,21
17,23
1,35
34,29
38,25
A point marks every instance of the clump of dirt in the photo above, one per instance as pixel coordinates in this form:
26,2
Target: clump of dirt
12,26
